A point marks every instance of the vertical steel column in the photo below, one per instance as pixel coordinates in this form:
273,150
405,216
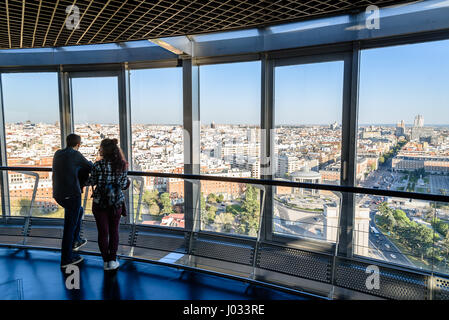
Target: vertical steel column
267,162
65,106
124,107
191,123
6,209
349,149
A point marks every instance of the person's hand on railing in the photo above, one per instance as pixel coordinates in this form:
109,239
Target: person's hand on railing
128,184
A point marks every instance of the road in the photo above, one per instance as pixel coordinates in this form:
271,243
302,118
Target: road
299,225
385,247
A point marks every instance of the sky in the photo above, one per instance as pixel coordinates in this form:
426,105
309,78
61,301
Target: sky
396,83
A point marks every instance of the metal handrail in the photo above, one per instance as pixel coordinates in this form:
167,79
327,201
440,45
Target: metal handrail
281,183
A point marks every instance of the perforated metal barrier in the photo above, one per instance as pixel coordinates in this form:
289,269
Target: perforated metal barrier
224,248
157,239
441,290
295,262
393,283
11,230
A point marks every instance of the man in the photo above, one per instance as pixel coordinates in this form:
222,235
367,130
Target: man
68,165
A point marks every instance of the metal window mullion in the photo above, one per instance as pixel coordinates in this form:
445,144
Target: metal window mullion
191,124
267,142
6,209
65,106
124,106
349,149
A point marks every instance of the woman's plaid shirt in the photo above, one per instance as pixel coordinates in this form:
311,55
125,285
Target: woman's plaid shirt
103,174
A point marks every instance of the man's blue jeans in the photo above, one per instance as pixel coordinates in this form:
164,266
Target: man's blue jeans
73,214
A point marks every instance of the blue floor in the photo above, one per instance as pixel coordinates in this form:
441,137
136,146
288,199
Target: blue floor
35,274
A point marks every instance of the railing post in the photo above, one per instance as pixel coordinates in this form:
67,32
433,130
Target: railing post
259,231
30,211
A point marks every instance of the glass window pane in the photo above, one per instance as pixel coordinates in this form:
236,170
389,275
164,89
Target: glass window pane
96,116
95,112
31,108
157,123
402,231
403,141
230,143
157,144
404,119
308,114
230,119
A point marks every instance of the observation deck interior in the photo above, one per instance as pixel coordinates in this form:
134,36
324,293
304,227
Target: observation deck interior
264,161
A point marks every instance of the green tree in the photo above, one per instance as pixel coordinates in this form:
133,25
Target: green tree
211,213
23,206
249,216
440,226
202,204
401,218
446,244
421,240
208,216
390,221
225,222
220,198
166,203
150,197
154,209
387,219
251,204
383,208
212,198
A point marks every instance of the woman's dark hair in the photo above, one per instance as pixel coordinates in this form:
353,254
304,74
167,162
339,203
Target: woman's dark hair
111,152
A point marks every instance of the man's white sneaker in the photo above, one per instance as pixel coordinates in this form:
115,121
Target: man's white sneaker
106,266
113,265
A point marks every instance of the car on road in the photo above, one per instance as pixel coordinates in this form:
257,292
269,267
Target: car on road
393,256
387,245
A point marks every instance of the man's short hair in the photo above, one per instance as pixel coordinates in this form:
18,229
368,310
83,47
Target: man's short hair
73,140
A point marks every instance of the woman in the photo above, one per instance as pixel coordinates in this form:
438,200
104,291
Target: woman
109,176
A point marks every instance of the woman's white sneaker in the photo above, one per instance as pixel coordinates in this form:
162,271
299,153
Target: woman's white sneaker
113,265
106,266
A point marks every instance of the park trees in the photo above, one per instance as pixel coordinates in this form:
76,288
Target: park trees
150,197
154,209
166,204
225,222
249,215
211,198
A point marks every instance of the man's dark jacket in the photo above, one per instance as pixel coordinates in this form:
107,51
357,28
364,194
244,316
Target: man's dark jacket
69,167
